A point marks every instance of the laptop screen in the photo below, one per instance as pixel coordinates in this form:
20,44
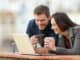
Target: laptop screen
23,43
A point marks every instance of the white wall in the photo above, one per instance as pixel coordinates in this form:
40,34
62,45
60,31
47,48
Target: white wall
23,9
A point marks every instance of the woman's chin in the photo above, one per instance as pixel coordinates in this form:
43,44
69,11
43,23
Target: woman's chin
56,33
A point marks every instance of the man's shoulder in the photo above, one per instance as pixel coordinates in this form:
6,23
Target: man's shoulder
31,23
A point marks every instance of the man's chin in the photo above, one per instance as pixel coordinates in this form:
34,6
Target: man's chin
41,28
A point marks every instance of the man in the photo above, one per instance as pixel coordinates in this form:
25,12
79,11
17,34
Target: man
40,24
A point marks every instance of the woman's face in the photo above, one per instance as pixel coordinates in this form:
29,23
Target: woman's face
55,27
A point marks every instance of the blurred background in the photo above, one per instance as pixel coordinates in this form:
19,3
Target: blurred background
15,14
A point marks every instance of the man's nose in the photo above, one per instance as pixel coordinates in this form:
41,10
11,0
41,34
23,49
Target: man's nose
40,22
52,27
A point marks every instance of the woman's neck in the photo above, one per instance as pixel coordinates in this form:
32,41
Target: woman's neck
66,34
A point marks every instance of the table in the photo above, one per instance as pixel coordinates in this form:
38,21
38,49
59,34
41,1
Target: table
16,56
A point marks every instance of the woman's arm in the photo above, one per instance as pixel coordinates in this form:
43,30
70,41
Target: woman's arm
50,44
76,46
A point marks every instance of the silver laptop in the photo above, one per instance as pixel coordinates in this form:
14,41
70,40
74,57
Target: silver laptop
23,43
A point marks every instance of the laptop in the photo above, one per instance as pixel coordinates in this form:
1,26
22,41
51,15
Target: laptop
23,43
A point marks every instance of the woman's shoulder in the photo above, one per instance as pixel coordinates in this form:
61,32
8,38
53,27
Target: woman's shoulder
76,29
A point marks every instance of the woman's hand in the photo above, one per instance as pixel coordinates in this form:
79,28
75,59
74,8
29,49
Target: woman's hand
49,43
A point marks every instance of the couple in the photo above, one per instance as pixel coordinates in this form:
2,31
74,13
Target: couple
68,32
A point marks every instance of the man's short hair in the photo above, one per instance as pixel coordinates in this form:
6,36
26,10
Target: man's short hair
41,9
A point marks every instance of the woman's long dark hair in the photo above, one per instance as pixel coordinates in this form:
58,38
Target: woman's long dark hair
63,21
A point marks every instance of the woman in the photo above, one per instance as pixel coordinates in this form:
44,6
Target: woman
69,39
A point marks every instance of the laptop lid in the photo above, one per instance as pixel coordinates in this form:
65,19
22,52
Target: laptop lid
23,43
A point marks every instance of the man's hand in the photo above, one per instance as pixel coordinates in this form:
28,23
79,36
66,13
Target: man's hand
49,43
34,40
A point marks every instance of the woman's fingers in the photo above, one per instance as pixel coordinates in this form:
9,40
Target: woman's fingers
49,43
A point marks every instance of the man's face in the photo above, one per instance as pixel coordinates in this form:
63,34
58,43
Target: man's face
41,21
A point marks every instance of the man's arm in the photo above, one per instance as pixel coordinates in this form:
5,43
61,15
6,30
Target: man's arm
29,29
